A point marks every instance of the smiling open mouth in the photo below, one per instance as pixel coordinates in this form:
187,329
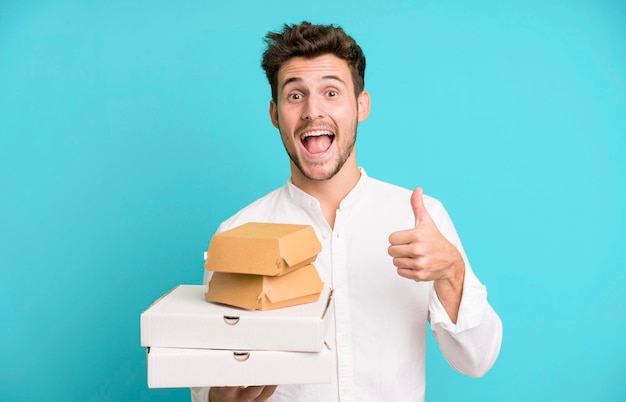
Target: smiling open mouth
317,141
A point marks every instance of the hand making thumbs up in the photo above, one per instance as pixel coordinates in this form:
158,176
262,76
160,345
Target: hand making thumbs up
422,253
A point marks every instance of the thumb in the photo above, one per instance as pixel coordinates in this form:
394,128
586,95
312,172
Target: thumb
419,210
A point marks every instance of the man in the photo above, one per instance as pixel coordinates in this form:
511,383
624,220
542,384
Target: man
392,256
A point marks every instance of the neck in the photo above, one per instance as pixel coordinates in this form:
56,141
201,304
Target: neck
329,192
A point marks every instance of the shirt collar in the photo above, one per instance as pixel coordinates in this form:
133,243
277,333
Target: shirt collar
309,202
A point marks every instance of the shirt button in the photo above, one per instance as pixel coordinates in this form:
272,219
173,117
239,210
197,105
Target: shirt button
339,285
312,204
346,390
326,236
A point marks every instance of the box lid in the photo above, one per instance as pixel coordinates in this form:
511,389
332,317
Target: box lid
263,249
183,368
260,292
182,318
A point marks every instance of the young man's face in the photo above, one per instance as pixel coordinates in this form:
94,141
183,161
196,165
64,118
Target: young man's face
317,114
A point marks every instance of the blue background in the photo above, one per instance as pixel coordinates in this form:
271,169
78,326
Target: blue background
129,130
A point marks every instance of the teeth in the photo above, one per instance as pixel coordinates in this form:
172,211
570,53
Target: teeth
316,133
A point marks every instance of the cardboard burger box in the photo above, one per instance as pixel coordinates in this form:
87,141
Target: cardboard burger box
261,292
263,266
182,318
261,248
178,368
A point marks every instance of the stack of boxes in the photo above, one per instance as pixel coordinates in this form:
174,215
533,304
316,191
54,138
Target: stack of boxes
262,321
263,266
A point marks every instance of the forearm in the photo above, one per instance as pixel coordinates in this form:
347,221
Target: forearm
450,289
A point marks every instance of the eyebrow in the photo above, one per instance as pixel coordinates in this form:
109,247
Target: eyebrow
326,77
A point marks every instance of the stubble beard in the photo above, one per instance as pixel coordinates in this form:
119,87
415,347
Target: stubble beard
339,161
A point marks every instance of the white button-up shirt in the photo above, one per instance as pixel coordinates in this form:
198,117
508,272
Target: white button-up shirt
380,319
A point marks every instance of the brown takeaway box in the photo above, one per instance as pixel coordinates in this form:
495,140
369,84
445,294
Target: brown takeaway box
262,292
271,249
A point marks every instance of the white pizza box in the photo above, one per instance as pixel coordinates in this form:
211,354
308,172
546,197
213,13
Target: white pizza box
183,318
182,368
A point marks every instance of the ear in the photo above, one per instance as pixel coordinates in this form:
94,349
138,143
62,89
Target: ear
363,105
274,113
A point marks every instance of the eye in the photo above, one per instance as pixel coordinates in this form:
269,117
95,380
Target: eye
294,96
332,93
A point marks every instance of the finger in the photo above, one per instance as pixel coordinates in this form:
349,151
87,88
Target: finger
224,393
404,263
268,391
417,204
402,237
251,393
419,210
410,250
414,274
411,261
257,393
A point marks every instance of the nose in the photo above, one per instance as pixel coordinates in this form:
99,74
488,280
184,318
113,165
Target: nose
313,109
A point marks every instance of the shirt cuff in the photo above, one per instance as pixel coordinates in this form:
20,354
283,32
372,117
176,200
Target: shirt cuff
471,310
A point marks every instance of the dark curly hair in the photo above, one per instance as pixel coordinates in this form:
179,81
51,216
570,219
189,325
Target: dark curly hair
309,41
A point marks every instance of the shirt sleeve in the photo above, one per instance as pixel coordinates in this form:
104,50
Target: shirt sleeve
471,345
200,394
